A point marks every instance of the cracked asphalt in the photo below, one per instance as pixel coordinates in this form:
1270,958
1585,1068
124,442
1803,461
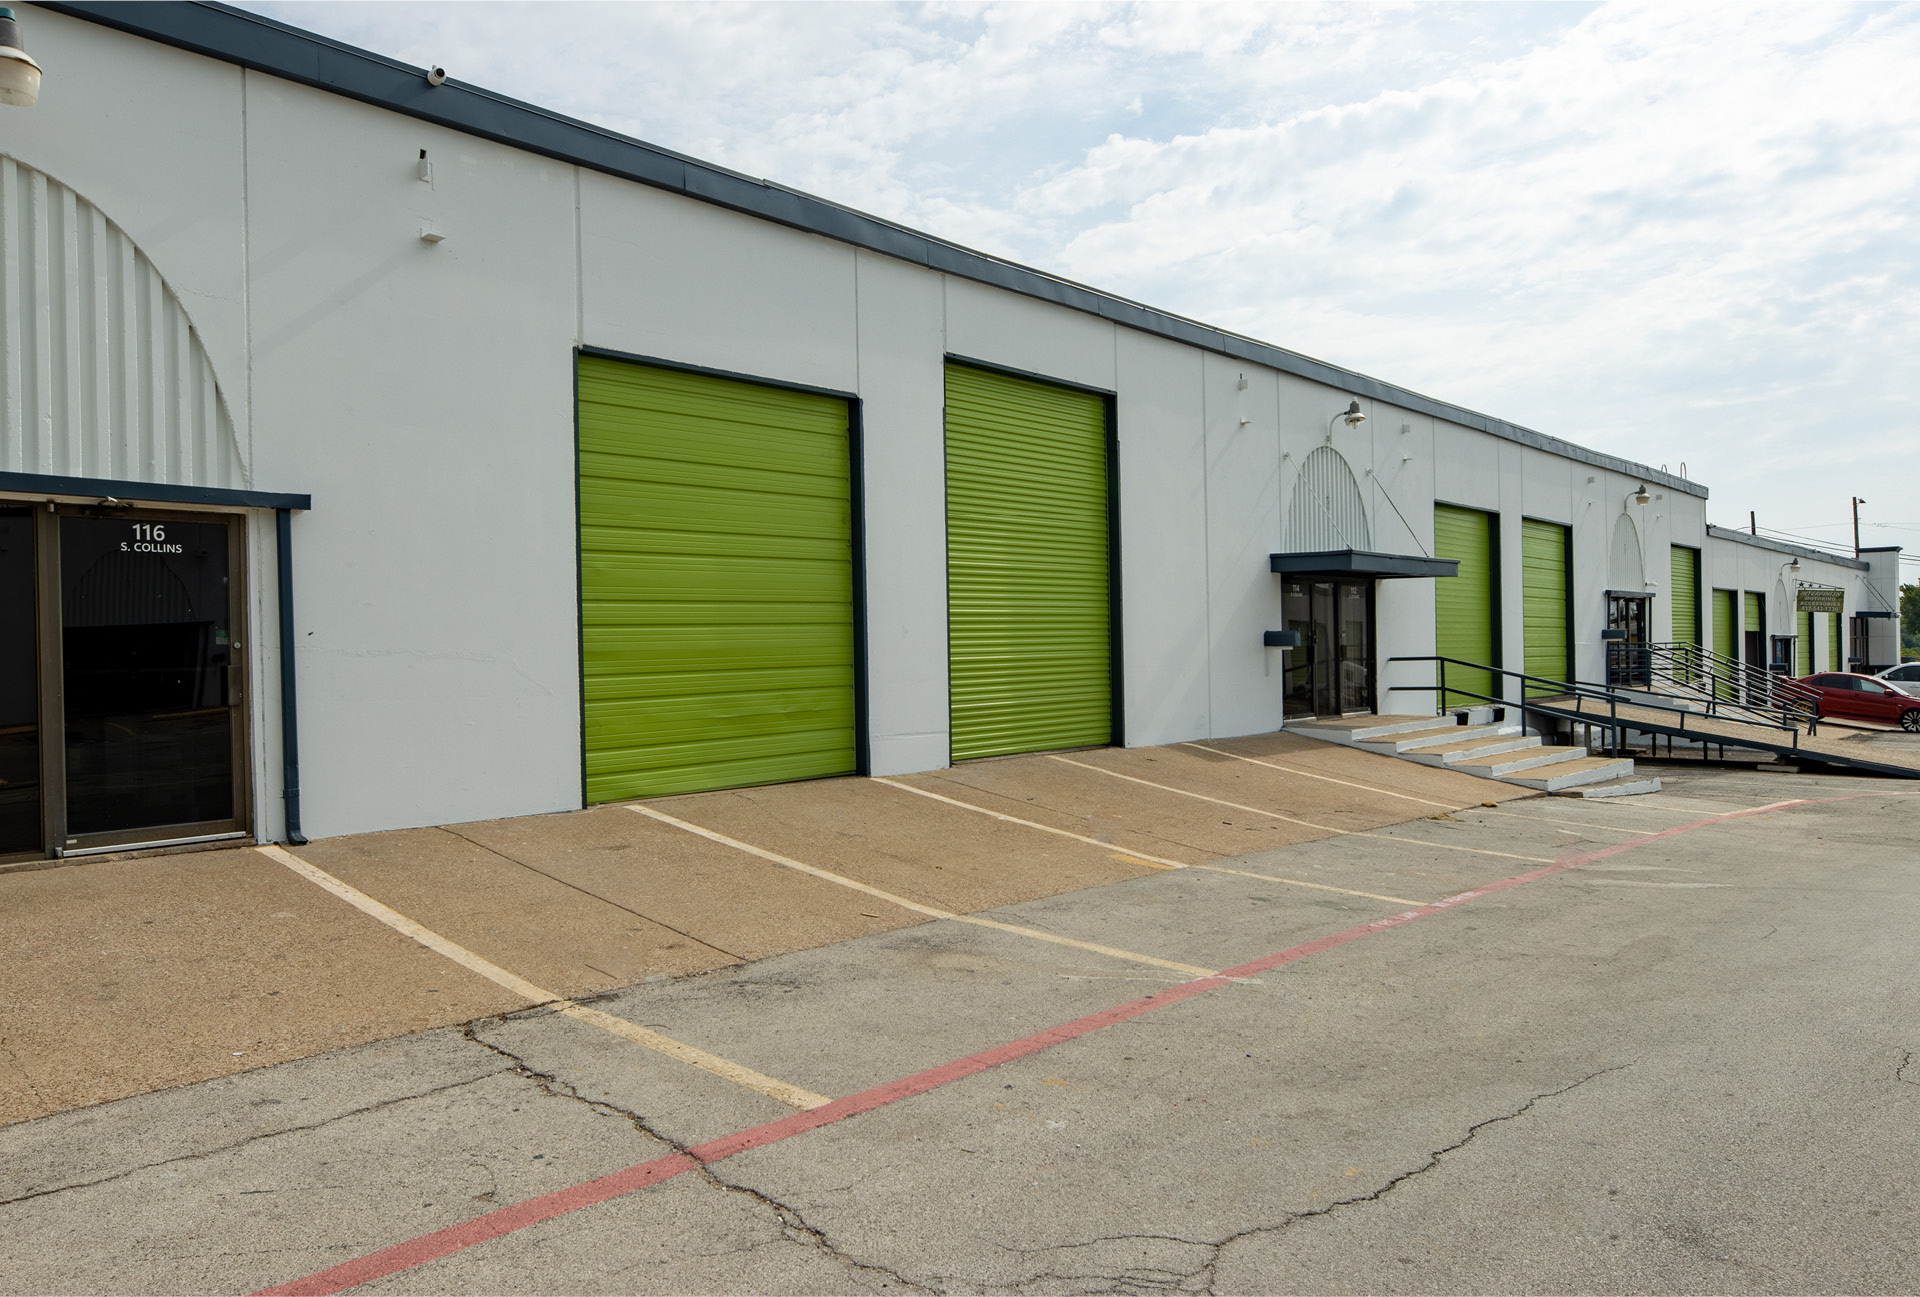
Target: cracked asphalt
1686,1067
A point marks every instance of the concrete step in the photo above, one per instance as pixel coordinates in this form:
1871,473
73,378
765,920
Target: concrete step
1484,750
1396,744
1482,714
1626,786
1577,773
1499,767
1354,729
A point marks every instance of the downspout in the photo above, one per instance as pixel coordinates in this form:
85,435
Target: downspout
289,709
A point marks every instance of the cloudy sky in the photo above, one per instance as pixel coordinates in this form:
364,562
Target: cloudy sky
1678,232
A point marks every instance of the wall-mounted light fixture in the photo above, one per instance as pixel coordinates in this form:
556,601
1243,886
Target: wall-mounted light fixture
1350,416
1641,496
19,74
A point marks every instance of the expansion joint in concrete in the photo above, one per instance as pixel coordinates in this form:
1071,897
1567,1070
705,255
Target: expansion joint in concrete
605,900
284,1131
1200,1279
793,1223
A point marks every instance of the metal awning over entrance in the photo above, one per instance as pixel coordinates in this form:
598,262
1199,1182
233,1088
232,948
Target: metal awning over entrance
1360,564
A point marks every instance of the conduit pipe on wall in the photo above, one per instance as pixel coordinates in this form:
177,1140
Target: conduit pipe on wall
289,703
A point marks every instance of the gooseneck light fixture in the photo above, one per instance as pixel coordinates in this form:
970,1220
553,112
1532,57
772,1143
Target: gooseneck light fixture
1351,416
1641,496
19,74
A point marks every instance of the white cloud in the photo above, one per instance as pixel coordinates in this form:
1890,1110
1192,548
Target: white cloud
1675,232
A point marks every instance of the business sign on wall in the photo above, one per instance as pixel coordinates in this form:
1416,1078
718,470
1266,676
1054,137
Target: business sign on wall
1819,598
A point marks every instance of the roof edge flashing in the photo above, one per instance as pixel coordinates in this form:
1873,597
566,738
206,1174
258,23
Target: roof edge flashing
1784,547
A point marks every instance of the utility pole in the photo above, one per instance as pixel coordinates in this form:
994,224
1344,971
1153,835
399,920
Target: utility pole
1857,502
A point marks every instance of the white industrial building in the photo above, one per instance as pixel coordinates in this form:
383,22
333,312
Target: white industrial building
582,470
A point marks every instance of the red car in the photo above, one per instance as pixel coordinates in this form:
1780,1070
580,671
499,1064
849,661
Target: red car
1864,698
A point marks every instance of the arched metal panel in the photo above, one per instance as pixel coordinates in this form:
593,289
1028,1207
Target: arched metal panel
101,372
1326,512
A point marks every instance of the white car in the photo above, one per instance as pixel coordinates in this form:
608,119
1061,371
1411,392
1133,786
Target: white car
1905,677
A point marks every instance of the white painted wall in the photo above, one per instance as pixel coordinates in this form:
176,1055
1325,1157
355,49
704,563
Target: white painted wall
1752,565
424,395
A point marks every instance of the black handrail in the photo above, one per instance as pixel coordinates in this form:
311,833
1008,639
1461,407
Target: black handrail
1723,684
1578,690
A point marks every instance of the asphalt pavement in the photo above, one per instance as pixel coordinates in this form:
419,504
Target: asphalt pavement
1660,1044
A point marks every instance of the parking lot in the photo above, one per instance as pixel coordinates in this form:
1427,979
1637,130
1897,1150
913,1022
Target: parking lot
1259,1015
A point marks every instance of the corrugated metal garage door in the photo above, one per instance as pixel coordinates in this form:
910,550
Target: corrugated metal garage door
1754,622
1545,569
1464,604
1726,632
1686,595
716,582
1803,663
1833,642
1029,568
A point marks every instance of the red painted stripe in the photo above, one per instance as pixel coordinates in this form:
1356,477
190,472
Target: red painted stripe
431,1247
445,1242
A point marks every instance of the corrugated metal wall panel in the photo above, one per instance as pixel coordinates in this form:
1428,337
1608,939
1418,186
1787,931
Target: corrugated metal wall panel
1464,604
1326,511
103,373
717,586
1545,559
1686,595
1029,573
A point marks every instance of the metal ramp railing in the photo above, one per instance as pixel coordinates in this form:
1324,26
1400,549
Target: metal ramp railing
1545,696
1613,712
1723,686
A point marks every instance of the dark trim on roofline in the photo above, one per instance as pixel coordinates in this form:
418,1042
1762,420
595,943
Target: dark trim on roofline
232,35
1784,547
43,484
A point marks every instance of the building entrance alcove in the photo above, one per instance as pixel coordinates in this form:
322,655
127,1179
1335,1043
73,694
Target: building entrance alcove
1331,672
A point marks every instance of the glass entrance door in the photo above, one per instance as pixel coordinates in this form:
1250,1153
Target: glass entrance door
21,832
1331,672
121,718
1627,664
146,638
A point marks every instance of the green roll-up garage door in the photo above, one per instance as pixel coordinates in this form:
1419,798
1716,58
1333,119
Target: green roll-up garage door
1726,632
716,582
1833,642
1545,569
1754,622
1464,605
1803,663
1029,569
1686,595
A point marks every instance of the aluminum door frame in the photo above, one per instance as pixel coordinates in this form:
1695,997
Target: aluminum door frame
53,746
